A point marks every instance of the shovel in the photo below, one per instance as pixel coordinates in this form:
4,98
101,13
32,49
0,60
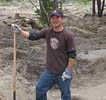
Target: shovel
15,69
14,64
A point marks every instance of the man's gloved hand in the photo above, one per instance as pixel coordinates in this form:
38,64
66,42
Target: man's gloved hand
16,29
67,74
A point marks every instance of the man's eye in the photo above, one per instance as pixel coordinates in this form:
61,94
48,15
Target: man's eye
58,16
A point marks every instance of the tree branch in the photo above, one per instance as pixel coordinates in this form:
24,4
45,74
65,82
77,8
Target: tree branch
45,11
102,7
34,5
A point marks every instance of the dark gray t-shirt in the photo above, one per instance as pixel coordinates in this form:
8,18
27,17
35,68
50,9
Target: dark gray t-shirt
58,46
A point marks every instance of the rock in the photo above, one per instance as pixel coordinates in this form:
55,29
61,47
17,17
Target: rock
17,16
77,97
104,98
81,32
22,90
102,30
92,55
92,62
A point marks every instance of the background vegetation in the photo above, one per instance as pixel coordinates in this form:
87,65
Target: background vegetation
46,6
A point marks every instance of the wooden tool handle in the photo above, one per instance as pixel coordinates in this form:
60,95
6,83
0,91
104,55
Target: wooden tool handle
15,70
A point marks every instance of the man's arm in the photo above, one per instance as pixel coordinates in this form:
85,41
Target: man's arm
67,74
16,29
71,57
70,62
25,34
28,35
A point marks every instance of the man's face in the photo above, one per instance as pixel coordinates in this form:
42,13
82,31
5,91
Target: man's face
56,21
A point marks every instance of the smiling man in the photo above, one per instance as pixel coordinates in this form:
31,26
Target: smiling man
61,53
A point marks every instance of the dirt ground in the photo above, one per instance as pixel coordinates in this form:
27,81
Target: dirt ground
89,85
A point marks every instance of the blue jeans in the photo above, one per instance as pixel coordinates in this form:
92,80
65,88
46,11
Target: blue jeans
47,81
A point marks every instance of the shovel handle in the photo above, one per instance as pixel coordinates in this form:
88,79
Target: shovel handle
15,68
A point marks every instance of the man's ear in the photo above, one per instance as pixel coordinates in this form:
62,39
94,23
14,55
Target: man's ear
63,20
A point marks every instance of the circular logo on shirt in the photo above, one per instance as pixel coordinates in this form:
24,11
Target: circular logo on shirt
54,43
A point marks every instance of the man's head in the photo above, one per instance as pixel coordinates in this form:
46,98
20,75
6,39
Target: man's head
56,18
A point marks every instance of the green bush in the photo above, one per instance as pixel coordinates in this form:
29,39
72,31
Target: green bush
4,3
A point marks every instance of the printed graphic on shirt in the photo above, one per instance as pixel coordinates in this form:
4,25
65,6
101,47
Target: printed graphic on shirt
54,43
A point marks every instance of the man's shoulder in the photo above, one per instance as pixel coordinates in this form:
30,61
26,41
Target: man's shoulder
46,29
68,31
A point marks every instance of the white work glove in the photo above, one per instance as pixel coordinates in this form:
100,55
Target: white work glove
15,29
67,74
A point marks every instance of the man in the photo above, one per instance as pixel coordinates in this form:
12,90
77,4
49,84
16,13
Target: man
60,55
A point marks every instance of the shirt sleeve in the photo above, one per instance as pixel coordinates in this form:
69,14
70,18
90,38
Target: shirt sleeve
70,42
37,35
71,48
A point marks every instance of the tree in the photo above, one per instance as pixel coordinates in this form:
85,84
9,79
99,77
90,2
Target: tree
100,7
93,7
58,4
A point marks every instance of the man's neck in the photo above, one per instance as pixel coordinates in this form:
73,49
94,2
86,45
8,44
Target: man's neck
58,29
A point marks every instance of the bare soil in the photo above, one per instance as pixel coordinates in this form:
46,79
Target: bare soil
90,85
